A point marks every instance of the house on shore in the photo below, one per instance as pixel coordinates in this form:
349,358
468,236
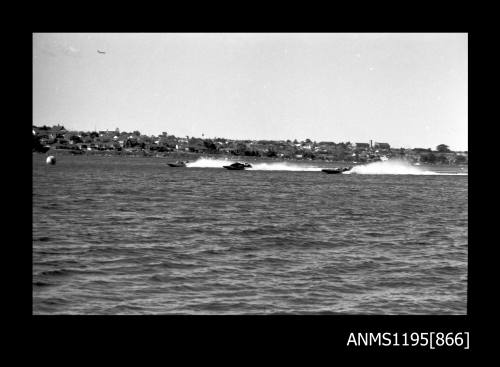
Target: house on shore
359,147
382,147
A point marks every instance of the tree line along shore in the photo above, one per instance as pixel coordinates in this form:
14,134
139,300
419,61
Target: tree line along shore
46,139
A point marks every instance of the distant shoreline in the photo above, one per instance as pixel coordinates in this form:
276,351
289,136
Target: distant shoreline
192,156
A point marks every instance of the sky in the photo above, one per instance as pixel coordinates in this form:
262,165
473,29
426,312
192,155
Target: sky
406,89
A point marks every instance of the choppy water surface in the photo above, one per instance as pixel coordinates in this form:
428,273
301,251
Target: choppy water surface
134,236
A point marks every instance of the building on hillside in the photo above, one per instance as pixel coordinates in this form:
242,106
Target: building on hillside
361,146
420,150
382,146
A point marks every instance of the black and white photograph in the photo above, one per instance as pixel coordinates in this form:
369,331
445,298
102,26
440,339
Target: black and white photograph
250,173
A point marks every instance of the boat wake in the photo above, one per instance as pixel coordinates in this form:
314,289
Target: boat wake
283,166
273,166
388,167
395,167
209,163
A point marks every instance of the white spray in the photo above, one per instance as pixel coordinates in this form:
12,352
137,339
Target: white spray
261,166
393,167
387,167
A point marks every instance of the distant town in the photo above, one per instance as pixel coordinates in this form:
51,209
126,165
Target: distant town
134,143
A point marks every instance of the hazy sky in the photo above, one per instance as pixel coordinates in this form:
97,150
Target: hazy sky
409,90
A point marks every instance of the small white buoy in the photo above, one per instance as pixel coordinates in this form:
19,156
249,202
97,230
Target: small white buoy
51,159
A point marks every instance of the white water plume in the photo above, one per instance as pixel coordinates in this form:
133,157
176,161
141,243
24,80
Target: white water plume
283,166
388,167
394,167
261,166
209,163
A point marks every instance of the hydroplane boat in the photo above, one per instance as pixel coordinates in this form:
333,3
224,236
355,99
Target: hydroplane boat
238,166
336,170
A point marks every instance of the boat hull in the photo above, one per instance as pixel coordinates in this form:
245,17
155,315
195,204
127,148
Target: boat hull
238,166
331,171
336,170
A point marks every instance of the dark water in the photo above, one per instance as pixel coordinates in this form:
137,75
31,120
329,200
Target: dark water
132,236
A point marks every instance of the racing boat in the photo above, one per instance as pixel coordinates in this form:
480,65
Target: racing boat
238,166
336,170
178,164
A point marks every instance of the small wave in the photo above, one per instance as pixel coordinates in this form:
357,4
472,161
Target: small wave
157,278
153,218
179,266
41,284
448,270
161,278
66,272
47,252
42,239
54,301
124,308
375,234
59,262
57,272
276,260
